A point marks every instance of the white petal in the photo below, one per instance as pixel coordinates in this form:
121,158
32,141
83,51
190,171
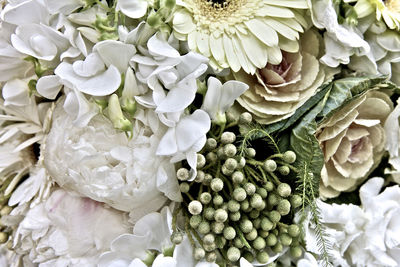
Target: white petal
159,47
231,90
262,31
191,128
49,86
212,99
168,145
115,53
90,66
103,84
133,8
15,92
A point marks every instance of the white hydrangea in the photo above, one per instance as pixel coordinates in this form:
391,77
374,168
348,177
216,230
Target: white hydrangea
366,235
65,230
102,163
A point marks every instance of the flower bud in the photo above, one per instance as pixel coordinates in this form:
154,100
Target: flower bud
250,188
254,214
182,174
200,176
256,220
211,256
296,201
233,254
220,215
3,237
252,235
246,226
231,164
205,198
226,171
218,200
209,239
271,240
269,186
245,118
262,257
233,206
209,213
238,177
229,233
217,227
245,205
169,4
259,243
239,194
273,199
176,238
115,113
211,144
221,153
201,161
269,165
211,157
230,150
285,239
199,254
237,242
209,247
289,157
284,190
266,224
283,207
217,184
228,138
204,228
293,230
235,216
195,221
250,152
278,248
284,170
263,233
154,20
207,179
184,187
195,207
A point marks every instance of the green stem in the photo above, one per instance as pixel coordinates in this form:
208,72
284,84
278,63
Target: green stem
242,237
174,217
189,235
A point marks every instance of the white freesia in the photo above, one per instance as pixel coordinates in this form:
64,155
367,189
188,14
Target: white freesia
170,76
363,236
186,138
100,162
66,230
220,97
392,130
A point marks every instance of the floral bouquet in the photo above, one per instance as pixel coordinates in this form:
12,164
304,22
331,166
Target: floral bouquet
199,133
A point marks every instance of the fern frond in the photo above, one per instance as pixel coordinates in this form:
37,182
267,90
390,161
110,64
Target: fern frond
254,132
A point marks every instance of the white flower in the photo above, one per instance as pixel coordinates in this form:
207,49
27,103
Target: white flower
100,162
186,138
392,130
220,97
67,230
133,8
171,77
341,40
16,92
368,235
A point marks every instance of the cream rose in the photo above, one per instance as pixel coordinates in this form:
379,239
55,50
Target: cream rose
353,141
276,91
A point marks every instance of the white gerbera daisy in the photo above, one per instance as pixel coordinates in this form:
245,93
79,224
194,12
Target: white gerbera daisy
240,33
389,10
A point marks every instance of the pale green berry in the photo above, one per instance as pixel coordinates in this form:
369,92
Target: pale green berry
201,161
217,184
217,227
246,226
209,213
199,176
284,170
233,205
220,215
230,150
238,177
235,216
250,189
266,224
271,240
233,254
229,233
241,163
231,164
211,157
259,243
296,201
293,230
228,138
239,194
245,205
211,144
182,174
211,256
273,199
220,241
254,214
237,242
296,252
205,198
269,186
289,156
274,216
256,201
278,248
226,171
252,235
218,200
199,254
221,153
195,207
269,165
195,221
262,257
207,179
285,239
263,233
283,207
245,118
176,238
204,228
262,192
184,187
209,239
250,152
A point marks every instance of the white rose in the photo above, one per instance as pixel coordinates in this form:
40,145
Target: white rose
100,162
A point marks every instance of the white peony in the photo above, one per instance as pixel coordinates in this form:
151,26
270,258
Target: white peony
100,162
65,230
366,235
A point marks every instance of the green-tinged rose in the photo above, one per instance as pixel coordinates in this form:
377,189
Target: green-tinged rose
276,91
353,141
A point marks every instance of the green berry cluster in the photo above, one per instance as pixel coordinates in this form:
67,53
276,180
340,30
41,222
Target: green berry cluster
237,205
